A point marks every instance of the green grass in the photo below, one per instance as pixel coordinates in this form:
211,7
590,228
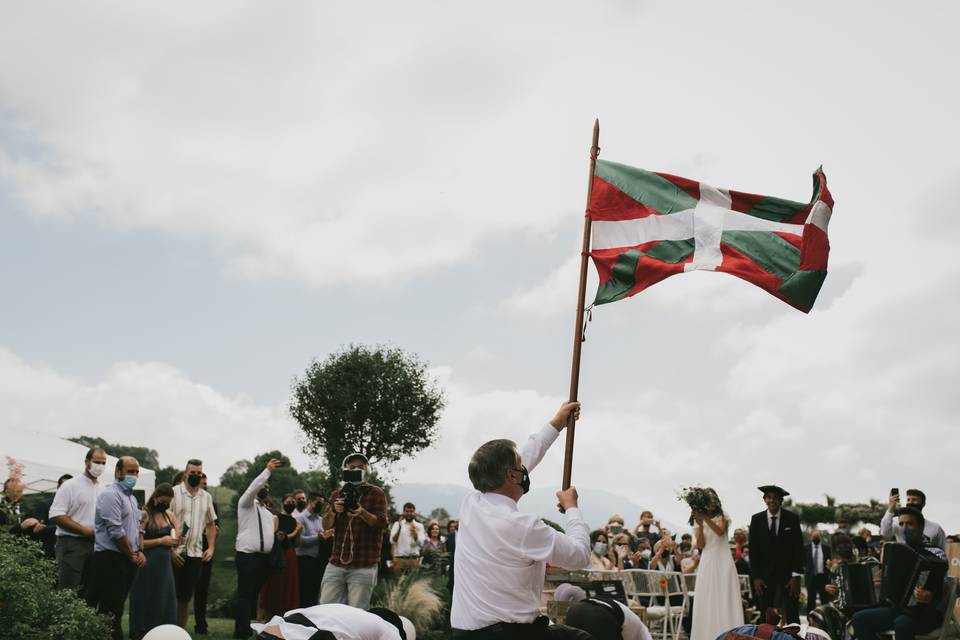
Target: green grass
219,628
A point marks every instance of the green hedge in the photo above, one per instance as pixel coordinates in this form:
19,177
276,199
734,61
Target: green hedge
31,606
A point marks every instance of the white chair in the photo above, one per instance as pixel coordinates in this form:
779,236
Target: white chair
654,589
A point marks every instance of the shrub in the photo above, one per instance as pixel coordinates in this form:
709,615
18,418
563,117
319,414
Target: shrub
31,606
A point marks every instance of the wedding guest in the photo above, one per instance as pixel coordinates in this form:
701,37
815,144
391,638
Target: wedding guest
358,537
925,615
308,551
153,600
433,545
641,557
193,508
452,550
11,515
281,591
45,531
73,511
599,552
818,555
620,554
648,528
300,499
407,536
118,544
254,543
202,592
916,499
501,552
739,540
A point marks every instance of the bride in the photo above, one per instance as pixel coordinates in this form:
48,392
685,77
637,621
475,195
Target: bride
716,601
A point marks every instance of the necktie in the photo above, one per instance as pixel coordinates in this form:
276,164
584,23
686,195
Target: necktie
773,526
816,559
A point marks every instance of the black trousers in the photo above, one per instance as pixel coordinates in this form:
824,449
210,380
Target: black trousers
817,586
108,583
778,596
200,595
309,569
513,631
252,572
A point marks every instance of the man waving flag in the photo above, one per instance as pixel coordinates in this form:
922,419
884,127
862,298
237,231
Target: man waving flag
648,226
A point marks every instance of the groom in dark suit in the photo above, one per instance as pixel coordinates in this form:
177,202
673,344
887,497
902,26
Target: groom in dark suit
776,555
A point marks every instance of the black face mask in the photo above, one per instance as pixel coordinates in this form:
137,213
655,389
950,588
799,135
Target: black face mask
262,494
845,552
525,480
161,506
193,479
289,507
301,504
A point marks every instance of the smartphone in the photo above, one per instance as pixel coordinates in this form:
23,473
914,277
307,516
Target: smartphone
895,491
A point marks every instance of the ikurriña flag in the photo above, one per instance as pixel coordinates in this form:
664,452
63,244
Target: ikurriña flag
648,226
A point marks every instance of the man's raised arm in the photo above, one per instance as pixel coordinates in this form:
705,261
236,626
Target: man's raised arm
537,444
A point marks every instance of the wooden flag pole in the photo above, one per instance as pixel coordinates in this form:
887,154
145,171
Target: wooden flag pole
581,299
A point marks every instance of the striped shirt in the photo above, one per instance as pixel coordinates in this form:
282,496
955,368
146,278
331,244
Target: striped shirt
194,513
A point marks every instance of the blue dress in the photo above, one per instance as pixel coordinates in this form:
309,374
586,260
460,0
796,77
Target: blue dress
153,598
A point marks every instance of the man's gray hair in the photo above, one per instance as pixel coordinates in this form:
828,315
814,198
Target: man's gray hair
489,465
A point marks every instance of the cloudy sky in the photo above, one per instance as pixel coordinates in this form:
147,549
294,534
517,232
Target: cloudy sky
196,200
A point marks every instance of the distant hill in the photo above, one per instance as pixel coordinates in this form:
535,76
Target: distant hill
597,504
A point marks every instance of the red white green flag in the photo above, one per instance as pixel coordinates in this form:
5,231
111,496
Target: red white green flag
648,226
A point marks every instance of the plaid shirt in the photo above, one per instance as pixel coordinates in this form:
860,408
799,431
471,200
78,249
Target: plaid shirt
366,540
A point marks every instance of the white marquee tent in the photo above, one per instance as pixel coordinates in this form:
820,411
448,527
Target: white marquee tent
45,458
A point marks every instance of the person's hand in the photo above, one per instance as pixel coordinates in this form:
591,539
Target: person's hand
137,559
697,517
281,536
169,541
922,595
327,533
338,505
274,463
29,523
567,499
794,586
759,585
88,532
831,589
356,512
207,555
893,503
177,559
39,527
566,414
623,551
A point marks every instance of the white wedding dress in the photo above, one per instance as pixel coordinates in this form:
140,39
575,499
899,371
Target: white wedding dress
716,600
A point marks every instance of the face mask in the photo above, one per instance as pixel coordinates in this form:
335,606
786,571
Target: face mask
408,518
161,506
289,507
129,481
193,480
262,494
645,554
913,536
600,548
616,528
845,552
301,504
96,469
525,480
815,540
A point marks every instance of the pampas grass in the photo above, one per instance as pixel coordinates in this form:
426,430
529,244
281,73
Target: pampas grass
415,598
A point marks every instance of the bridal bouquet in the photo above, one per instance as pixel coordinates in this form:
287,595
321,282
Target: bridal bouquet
699,500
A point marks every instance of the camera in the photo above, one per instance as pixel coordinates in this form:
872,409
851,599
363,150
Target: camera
351,494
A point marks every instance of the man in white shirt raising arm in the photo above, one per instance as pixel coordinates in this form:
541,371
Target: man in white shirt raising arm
502,553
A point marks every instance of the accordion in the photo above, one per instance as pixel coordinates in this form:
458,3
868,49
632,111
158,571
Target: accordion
904,569
856,585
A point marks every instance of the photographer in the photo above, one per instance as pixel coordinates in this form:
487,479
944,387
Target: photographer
358,515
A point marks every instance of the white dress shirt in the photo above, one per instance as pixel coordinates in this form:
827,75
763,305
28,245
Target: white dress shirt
344,622
502,553
817,550
890,526
770,516
633,627
250,515
407,544
77,499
